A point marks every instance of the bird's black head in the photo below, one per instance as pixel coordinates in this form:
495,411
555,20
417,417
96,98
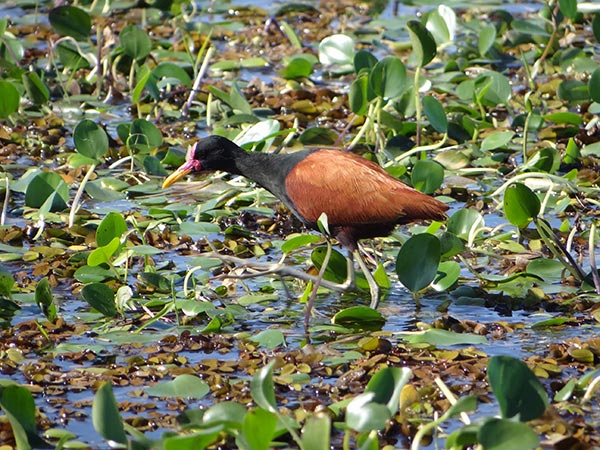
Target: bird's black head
211,153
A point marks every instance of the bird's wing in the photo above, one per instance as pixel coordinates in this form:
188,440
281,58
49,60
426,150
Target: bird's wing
352,190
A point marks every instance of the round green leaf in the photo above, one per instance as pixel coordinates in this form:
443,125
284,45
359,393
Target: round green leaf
447,276
106,417
135,42
90,139
9,99
574,91
318,136
101,298
521,205
296,68
358,96
436,114
496,140
502,434
269,339
112,226
45,299
487,36
596,26
427,176
364,414
417,261
594,85
337,268
140,135
461,223
298,241
71,21
337,50
185,386
568,8
364,61
516,388
492,88
36,90
361,315
69,56
42,187
423,42
388,78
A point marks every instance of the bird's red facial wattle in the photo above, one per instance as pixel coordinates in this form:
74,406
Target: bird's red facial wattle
190,165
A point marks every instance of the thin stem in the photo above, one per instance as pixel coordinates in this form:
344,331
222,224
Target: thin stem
6,197
79,193
196,87
316,284
417,105
592,245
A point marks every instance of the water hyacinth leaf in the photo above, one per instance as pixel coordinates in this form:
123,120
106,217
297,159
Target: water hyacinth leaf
337,50
423,43
517,389
69,56
417,261
184,386
316,432
521,205
573,91
36,90
361,316
550,270
363,413
6,283
156,281
318,136
546,159
199,228
463,404
44,186
296,68
387,384
435,113
364,61
594,85
568,117
568,8
101,298
106,416
45,299
135,42
596,26
16,402
496,140
229,414
298,241
502,434
258,430
90,139
464,222
269,339
492,88
529,27
427,176
9,99
140,135
112,226
440,337
388,78
447,276
487,36
358,96
438,27
572,153
95,274
262,388
197,440
337,268
172,72
71,21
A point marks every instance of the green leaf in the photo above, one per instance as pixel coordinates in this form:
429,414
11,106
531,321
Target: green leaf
568,8
388,78
427,176
258,430
297,68
496,140
594,85
71,21
487,36
364,61
45,186
316,433
106,417
103,255
45,299
435,113
521,205
363,413
502,434
185,386
492,88
262,388
386,384
36,90
463,405
9,99
358,95
17,404
517,389
318,136
69,56
269,339
101,298
462,222
447,276
437,336
298,241
135,42
112,226
140,135
90,139
596,26
6,283
417,261
359,315
229,414
337,268
337,50
423,43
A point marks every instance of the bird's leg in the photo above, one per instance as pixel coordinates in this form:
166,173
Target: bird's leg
373,286
316,284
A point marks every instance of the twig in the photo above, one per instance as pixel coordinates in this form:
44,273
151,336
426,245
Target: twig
196,87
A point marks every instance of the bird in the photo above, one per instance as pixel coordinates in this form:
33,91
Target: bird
361,200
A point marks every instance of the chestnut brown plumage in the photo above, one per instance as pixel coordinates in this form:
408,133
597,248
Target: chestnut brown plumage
361,199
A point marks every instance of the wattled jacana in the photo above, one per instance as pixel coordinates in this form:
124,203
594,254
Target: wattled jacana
361,199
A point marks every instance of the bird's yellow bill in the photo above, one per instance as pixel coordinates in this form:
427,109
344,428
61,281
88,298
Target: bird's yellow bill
176,176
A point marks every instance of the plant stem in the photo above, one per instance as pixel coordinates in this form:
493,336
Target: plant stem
592,245
417,105
6,198
77,199
196,87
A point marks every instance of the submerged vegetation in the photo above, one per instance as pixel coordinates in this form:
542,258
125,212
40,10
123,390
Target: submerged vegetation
145,318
